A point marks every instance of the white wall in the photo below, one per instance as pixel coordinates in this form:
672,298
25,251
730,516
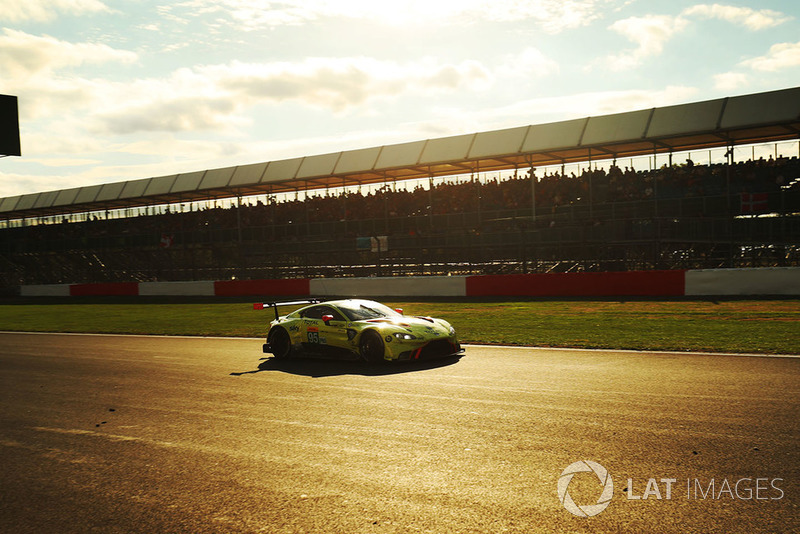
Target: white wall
51,290
765,281
181,289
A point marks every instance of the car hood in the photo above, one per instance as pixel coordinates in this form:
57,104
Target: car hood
414,325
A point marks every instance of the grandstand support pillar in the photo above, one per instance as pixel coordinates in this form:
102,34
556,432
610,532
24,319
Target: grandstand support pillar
525,243
378,257
240,267
655,184
591,193
478,193
344,205
385,196
430,200
239,216
784,242
532,174
728,163
656,221
523,247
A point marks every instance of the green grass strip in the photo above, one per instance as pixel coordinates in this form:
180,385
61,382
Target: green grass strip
738,326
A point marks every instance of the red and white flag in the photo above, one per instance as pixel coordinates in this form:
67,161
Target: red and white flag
754,202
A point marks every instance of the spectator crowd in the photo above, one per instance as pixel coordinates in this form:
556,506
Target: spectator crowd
551,191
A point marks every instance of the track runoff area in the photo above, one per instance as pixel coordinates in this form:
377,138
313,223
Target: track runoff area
176,434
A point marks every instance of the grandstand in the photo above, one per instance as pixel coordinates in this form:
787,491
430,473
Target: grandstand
569,196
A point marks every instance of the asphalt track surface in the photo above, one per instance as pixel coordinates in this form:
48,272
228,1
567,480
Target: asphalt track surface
154,434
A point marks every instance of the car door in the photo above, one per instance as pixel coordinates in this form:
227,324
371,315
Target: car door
317,336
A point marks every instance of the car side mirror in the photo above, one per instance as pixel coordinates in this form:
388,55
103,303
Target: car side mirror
399,310
327,319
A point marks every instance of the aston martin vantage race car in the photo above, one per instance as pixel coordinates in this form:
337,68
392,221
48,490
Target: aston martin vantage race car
357,329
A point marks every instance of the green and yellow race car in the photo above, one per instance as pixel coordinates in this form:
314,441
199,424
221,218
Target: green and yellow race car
357,329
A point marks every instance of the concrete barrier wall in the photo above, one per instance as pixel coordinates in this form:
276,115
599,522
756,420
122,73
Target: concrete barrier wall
642,283
177,289
722,282
767,281
51,290
107,289
244,288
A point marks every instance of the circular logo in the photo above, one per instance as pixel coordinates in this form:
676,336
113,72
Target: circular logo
586,510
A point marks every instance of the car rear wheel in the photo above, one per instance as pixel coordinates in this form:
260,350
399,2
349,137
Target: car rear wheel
371,346
281,343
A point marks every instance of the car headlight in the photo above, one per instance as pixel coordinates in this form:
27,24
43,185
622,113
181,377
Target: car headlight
404,337
452,331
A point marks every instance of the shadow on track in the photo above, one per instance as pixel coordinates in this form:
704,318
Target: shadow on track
316,368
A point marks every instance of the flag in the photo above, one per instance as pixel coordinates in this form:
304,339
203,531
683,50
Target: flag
754,202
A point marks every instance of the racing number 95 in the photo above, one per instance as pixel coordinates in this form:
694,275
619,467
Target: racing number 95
313,337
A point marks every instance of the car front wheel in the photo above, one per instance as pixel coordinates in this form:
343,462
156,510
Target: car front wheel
371,346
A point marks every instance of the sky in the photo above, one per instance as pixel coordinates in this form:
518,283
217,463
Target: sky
121,90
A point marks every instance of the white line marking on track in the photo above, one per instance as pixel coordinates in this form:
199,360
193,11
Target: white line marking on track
128,335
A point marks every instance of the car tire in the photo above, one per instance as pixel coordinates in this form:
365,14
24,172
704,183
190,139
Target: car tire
281,343
371,347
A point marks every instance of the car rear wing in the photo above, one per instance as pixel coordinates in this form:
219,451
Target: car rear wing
274,305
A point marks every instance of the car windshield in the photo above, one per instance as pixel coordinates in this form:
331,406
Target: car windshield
359,310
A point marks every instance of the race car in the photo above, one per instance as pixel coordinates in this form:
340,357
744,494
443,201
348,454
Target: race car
359,330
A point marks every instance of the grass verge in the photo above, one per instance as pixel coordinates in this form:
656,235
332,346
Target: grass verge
739,326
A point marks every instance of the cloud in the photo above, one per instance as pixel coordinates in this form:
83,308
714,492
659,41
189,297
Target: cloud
210,97
12,184
37,68
173,113
730,81
184,101
780,56
741,16
529,63
551,15
216,96
649,33
340,83
25,55
45,10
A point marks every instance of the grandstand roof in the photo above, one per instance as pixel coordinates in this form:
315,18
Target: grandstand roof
762,117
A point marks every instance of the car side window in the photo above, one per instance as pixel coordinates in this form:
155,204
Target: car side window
312,313
331,311
317,312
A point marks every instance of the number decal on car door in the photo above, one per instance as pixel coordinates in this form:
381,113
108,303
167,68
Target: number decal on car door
313,334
